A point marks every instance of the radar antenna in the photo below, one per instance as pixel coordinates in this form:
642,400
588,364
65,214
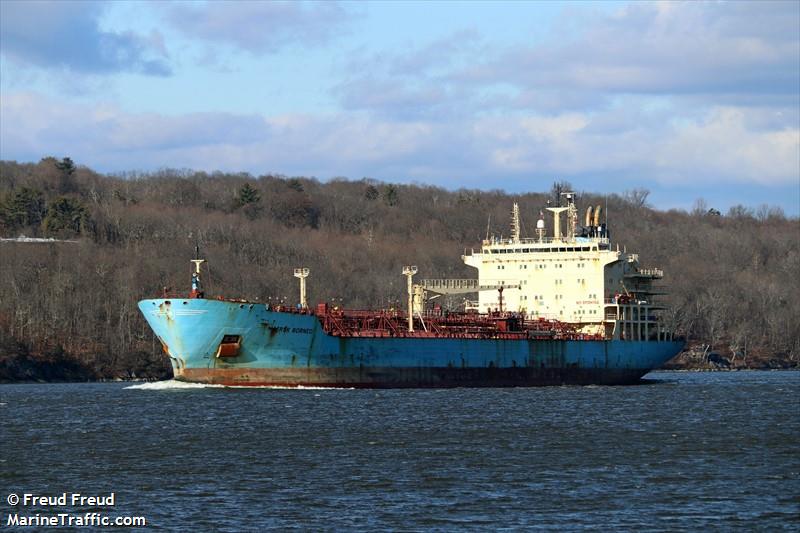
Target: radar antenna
540,227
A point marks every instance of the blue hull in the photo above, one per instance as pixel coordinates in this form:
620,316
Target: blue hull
287,349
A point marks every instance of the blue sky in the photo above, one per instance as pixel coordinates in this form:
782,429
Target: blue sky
689,100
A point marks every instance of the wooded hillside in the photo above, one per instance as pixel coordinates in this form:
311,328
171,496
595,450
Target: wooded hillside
68,309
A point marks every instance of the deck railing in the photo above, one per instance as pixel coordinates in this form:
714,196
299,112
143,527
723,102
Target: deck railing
566,241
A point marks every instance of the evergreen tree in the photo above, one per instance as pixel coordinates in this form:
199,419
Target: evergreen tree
295,184
248,195
22,208
66,217
66,182
250,201
66,166
390,195
371,192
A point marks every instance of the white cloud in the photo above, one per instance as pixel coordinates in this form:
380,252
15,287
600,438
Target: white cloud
719,147
67,35
740,53
259,26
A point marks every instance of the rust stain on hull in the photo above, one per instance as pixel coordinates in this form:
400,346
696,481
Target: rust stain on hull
377,377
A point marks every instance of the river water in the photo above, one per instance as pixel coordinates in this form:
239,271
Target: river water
685,451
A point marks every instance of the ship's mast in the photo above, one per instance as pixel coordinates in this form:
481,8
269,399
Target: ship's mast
557,221
409,271
572,217
515,226
197,291
302,273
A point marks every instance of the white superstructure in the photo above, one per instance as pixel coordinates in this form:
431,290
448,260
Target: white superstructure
575,277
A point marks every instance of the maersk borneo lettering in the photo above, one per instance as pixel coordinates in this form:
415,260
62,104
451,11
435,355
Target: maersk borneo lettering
287,329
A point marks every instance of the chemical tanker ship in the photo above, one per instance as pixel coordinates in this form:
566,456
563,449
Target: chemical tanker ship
551,310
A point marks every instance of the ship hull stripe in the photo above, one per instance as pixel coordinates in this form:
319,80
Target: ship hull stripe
420,377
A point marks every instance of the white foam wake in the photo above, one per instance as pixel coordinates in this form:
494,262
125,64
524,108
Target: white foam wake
171,384
288,387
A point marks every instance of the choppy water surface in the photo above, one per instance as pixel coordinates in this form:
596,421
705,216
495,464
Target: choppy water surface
688,451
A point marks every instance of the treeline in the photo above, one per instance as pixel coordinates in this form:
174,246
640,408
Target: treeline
68,309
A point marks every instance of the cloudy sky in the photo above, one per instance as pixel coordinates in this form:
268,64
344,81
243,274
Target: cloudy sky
689,100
